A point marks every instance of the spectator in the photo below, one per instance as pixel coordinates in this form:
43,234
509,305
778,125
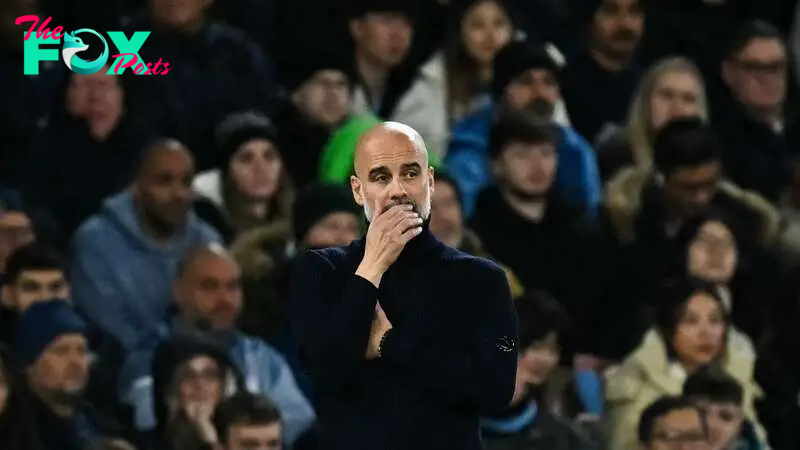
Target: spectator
526,224
598,83
208,294
524,79
244,421
250,187
533,420
708,248
669,422
16,226
192,374
720,399
17,427
447,224
324,215
214,71
692,330
391,85
34,274
672,88
754,119
645,210
320,84
478,30
89,149
50,346
124,258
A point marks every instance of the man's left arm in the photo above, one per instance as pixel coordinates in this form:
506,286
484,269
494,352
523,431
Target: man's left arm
479,375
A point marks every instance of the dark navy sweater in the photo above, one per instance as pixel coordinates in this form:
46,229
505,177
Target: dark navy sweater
450,357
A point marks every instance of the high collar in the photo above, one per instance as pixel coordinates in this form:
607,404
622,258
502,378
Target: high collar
423,245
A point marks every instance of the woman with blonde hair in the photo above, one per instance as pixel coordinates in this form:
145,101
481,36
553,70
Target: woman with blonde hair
672,88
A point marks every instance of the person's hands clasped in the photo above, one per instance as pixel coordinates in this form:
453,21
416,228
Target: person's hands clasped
387,235
380,326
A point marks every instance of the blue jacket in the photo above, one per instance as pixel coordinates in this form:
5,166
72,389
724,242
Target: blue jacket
267,372
264,371
122,278
468,161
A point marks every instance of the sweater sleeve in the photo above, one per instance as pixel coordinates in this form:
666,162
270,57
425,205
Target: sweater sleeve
97,293
331,325
479,375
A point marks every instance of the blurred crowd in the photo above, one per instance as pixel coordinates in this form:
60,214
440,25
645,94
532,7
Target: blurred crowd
634,166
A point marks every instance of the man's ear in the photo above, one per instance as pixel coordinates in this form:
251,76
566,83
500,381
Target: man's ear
727,71
355,29
7,299
498,173
431,178
355,186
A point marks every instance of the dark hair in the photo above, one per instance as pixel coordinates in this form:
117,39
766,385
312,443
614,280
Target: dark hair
33,256
519,127
659,409
462,70
713,383
742,36
685,143
441,176
244,407
539,314
675,296
688,232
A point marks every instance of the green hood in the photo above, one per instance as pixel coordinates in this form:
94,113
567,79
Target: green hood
336,164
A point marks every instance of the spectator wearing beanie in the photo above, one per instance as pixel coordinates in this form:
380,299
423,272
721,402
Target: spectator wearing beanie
51,346
392,84
319,88
324,215
525,79
250,186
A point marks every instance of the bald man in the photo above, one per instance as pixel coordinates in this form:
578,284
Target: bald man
407,341
124,257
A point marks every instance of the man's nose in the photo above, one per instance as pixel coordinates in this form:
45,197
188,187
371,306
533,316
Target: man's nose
397,189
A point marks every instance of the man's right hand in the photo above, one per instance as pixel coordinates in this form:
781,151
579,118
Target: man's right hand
388,233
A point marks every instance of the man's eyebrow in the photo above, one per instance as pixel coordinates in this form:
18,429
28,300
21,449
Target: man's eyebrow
414,165
380,170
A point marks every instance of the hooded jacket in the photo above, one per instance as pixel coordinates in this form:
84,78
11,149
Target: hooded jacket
626,199
469,162
121,277
171,355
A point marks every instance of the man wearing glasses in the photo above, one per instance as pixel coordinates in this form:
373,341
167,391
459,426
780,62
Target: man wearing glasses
672,423
755,118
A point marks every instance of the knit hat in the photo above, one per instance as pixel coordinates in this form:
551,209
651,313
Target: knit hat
305,65
237,129
409,8
317,201
40,325
514,59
